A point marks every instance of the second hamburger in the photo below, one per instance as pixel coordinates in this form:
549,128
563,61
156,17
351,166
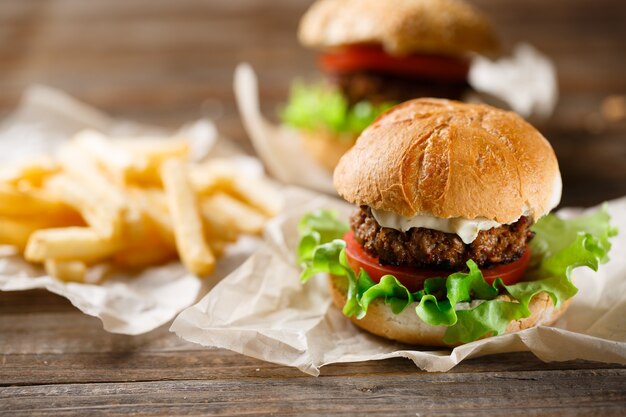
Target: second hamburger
375,54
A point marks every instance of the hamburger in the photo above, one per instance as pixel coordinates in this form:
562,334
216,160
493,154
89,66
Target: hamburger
375,54
451,240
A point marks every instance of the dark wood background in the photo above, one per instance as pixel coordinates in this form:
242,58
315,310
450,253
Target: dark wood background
166,62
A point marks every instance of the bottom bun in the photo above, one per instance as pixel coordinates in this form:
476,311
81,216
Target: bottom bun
325,147
407,327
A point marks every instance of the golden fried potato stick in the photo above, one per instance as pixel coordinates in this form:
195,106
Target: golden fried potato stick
226,215
222,175
153,204
144,256
104,215
70,244
210,176
193,250
16,233
156,150
32,171
130,162
82,167
148,155
142,204
73,271
218,247
16,230
147,249
259,194
116,161
136,226
31,202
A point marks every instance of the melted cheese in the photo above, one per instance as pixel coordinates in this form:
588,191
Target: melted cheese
466,229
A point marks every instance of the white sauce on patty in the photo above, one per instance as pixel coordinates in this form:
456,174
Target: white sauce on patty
466,229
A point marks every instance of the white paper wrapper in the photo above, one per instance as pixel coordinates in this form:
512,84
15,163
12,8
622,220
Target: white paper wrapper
129,304
278,146
262,310
525,81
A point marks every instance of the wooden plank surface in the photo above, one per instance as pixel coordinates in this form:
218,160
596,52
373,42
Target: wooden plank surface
55,361
166,62
536,393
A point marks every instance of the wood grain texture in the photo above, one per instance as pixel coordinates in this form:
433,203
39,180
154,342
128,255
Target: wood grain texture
56,361
530,393
165,63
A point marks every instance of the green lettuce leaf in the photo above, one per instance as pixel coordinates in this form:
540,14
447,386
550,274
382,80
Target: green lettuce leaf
489,318
460,287
558,247
396,295
318,107
553,233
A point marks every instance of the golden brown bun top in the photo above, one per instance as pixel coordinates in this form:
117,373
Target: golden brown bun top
447,27
451,159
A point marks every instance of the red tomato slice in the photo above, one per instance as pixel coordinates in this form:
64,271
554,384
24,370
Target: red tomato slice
413,278
361,57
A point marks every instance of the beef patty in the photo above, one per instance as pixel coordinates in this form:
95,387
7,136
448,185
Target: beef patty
427,248
380,88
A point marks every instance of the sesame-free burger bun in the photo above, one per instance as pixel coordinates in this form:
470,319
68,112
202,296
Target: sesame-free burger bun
408,328
401,27
450,159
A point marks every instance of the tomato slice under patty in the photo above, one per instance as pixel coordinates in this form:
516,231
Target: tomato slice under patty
413,278
374,58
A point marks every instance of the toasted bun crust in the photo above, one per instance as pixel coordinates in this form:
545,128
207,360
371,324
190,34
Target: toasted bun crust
450,159
447,27
325,147
407,327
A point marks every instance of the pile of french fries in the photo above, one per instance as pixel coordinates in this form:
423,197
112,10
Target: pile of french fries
132,203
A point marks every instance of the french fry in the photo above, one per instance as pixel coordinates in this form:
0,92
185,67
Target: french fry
211,176
218,246
136,226
144,256
103,214
16,233
116,161
134,203
31,202
73,271
230,213
221,174
157,150
148,249
131,162
218,225
148,156
84,168
153,205
33,171
195,254
258,194
70,243
217,228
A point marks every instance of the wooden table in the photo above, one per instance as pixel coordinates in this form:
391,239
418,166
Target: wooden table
165,62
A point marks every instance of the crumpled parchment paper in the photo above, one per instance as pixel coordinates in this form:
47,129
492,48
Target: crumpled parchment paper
262,310
125,303
525,81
